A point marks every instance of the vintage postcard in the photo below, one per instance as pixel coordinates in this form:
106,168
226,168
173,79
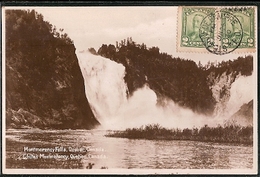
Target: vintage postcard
129,90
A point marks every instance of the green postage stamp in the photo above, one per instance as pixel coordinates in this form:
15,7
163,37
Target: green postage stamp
218,30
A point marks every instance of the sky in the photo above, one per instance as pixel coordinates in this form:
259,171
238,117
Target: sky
94,26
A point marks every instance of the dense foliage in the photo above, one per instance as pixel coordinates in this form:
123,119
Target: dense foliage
43,77
229,133
181,80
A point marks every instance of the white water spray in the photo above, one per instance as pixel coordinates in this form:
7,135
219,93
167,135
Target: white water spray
241,92
106,92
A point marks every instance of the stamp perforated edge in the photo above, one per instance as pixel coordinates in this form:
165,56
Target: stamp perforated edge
253,49
179,48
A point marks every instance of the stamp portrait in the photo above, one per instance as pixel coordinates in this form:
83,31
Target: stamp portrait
191,18
246,17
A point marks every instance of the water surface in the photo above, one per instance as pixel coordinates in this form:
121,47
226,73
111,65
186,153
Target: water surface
98,151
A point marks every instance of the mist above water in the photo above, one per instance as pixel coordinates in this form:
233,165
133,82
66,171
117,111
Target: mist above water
106,91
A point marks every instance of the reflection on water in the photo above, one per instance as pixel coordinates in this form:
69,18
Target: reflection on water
106,152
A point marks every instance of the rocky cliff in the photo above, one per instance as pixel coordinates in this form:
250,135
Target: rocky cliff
220,88
44,84
244,116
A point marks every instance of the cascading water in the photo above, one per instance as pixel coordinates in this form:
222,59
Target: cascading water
237,91
107,93
104,84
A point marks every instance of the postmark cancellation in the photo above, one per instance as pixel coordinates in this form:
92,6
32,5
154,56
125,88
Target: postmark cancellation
217,30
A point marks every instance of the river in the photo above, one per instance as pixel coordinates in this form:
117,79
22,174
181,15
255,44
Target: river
81,149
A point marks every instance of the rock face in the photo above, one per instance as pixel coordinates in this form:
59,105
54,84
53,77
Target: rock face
24,119
44,84
220,88
244,116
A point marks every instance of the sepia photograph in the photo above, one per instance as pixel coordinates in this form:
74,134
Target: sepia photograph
129,90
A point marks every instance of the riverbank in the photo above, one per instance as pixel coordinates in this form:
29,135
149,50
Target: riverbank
221,134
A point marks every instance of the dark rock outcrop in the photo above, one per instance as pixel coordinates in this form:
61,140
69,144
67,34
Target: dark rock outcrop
44,84
244,116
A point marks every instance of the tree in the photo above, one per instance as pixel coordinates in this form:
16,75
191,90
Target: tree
200,65
92,50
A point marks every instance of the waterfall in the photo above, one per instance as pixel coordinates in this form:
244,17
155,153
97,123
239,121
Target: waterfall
106,91
241,92
104,84
238,90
